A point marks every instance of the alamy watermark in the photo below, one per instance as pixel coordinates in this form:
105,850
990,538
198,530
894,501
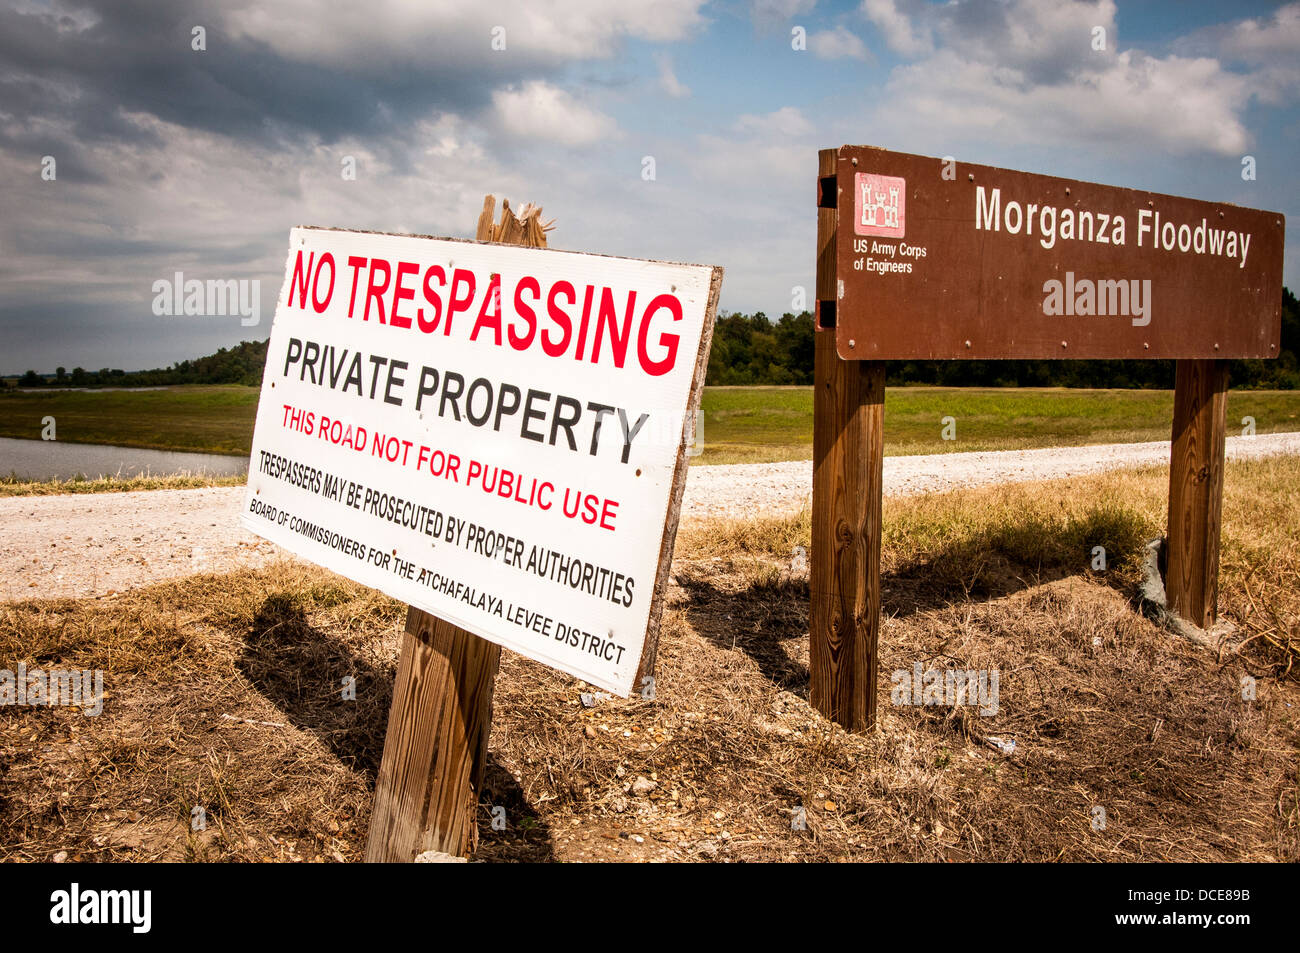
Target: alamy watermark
73,906
192,297
1102,298
949,687
83,689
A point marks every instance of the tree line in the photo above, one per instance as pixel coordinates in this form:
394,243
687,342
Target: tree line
753,349
241,364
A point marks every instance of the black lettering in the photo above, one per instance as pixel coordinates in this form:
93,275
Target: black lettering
502,408
451,395
559,419
426,389
531,414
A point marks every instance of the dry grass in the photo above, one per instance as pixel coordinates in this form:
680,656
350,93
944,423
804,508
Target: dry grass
14,486
178,658
1107,709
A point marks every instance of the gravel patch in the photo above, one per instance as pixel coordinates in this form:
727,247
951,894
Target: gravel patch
96,544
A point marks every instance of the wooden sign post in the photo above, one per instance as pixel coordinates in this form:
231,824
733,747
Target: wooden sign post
921,259
848,479
426,795
1196,461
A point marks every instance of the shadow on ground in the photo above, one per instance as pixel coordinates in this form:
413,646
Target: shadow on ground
762,610
509,828
301,670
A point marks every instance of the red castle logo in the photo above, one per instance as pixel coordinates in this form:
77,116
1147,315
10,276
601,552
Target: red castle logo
880,202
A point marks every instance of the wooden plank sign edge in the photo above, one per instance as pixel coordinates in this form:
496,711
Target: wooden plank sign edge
648,654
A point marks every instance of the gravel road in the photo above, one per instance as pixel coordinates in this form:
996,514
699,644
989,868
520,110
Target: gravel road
747,488
94,544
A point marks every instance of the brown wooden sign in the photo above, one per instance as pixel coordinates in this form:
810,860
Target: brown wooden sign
918,258
942,260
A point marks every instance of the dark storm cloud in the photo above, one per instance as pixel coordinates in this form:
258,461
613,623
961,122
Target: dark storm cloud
75,80
22,99
138,58
60,243
125,336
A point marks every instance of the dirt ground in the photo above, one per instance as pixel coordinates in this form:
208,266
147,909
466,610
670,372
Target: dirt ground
224,704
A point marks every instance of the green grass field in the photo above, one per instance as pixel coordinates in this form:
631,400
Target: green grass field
741,424
763,424
212,419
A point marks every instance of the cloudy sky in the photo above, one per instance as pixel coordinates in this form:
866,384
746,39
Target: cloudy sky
168,158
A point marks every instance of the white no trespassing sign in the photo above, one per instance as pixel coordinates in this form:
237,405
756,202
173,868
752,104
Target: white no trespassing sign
491,433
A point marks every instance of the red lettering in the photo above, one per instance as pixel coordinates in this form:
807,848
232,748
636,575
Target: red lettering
355,262
299,281
320,304
524,311
375,291
560,317
606,318
667,341
586,317
404,268
493,320
456,303
431,296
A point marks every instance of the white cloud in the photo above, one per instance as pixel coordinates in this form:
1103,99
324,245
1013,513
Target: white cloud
167,208
837,44
897,28
784,122
536,110
1269,47
1024,71
767,12
214,207
668,80
751,206
1046,39
67,17
1260,38
768,153
1175,105
379,33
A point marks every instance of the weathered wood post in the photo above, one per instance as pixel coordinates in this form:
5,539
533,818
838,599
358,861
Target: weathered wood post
426,795
1196,466
848,461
